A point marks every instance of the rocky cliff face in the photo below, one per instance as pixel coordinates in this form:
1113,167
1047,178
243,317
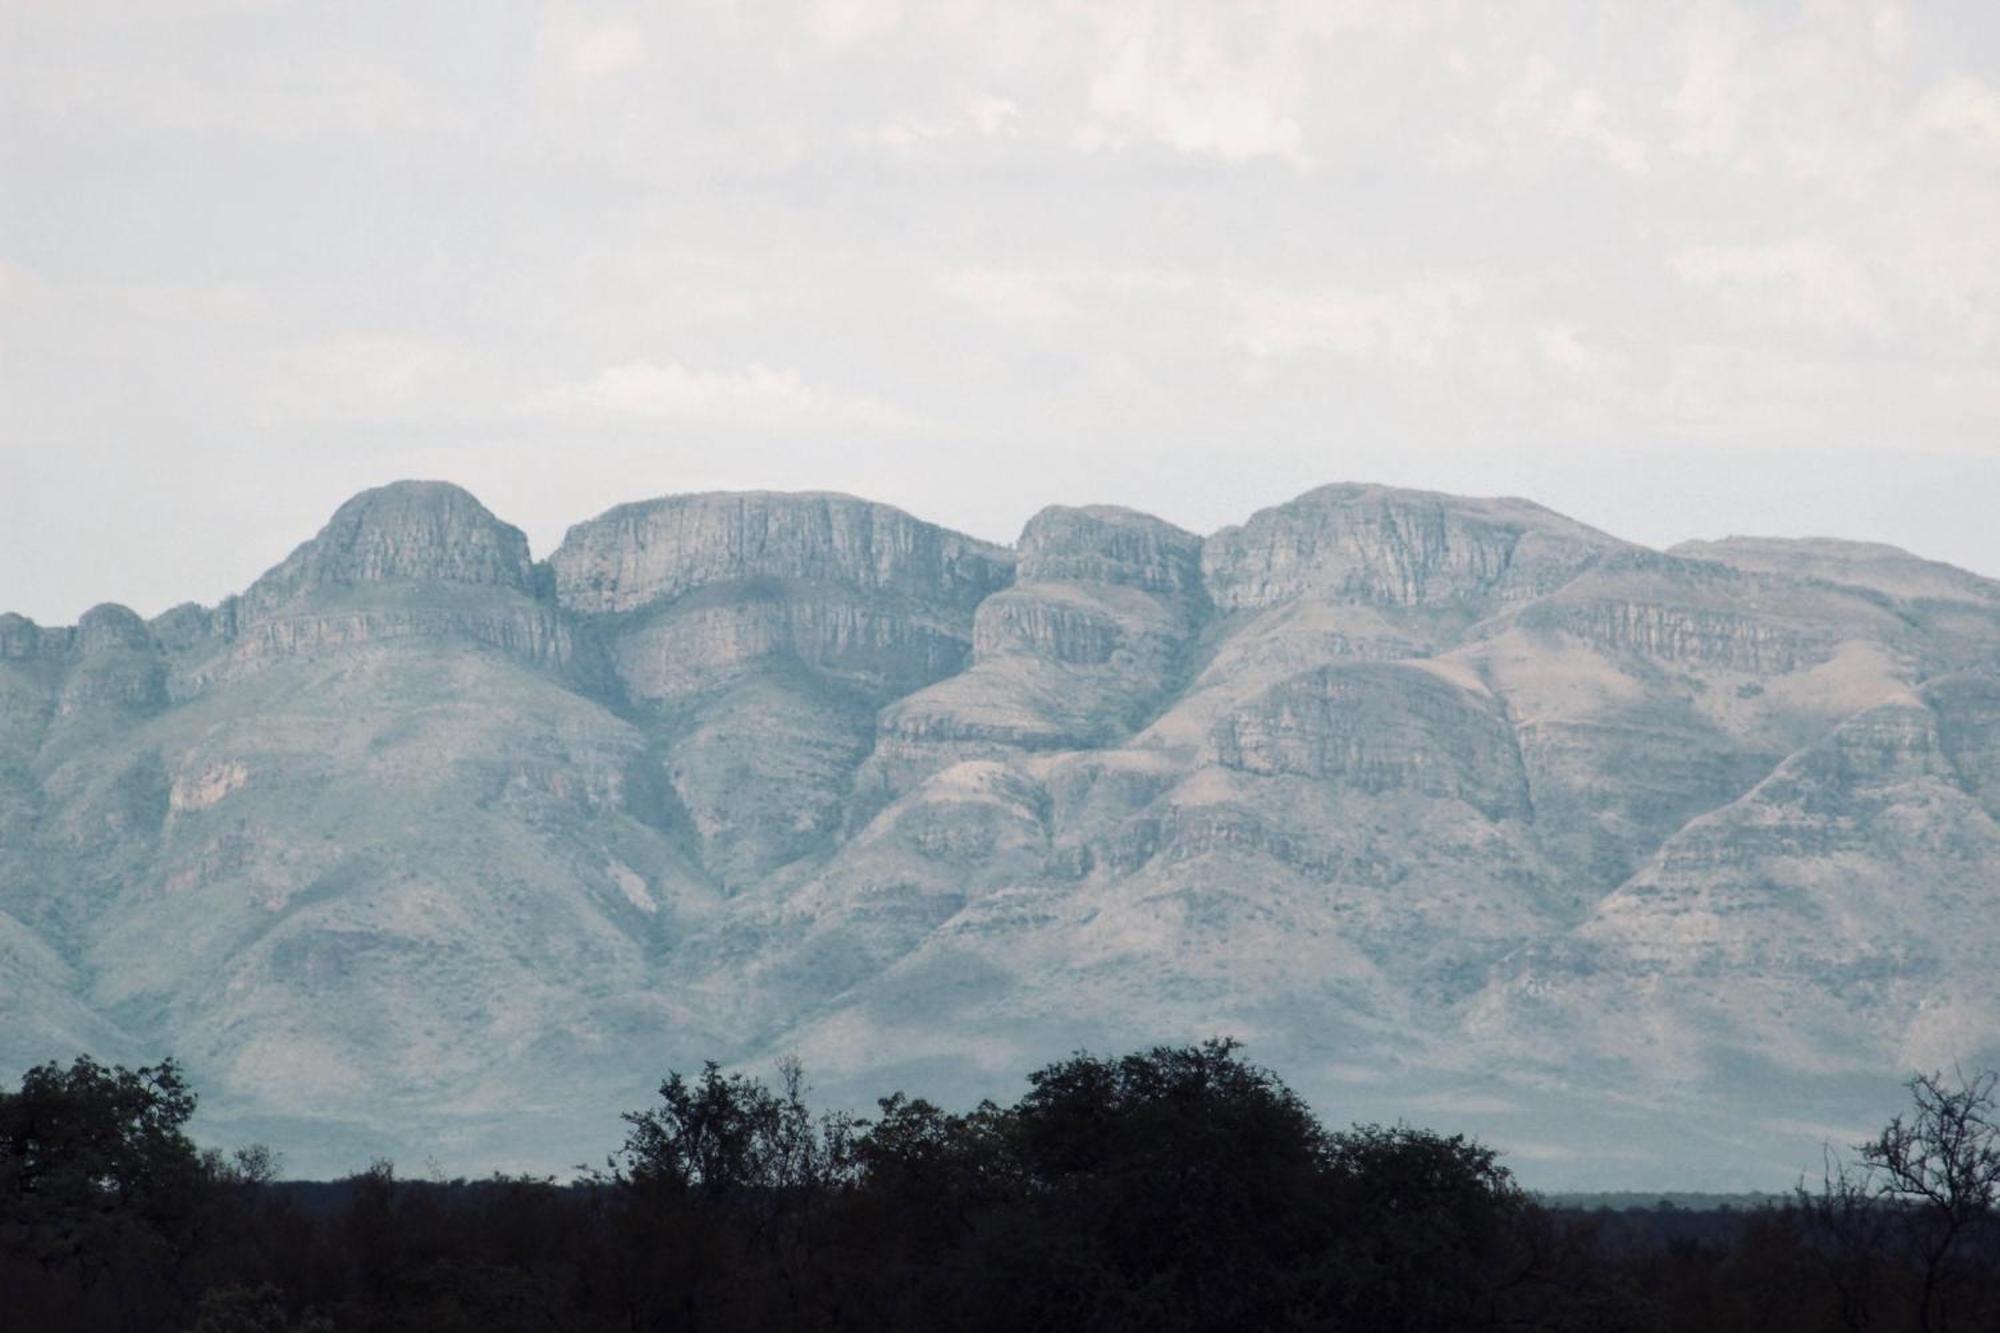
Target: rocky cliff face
410,532
757,635
647,554
414,560
1826,921
1088,643
1454,808
116,672
1379,728
1384,547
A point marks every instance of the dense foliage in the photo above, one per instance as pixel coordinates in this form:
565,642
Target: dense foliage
1174,1189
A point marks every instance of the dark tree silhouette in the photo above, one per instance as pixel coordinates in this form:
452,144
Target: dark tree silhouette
1179,1188
100,1192
1932,1177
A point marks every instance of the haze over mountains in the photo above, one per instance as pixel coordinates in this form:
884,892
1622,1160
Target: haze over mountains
1648,866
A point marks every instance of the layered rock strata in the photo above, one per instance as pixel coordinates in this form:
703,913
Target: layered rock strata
419,842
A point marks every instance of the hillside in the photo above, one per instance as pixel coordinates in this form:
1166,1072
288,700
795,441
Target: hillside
1650,867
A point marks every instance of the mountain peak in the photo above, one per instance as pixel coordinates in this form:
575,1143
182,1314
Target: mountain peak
20,637
405,532
655,550
1393,547
1109,544
109,625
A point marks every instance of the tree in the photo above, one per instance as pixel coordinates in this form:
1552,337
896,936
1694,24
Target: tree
72,1138
1170,1188
1944,1163
708,1138
1433,1229
251,1310
99,1190
1933,1174
1850,1235
723,1176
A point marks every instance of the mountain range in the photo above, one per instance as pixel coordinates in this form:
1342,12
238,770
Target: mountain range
1649,867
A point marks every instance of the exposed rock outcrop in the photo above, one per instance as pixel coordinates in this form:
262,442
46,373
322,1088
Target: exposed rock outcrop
22,640
1968,710
1826,921
424,839
410,532
1888,570
1955,612
820,607
117,674
412,560
647,554
1394,548
1111,545
1377,728
1087,644
1671,613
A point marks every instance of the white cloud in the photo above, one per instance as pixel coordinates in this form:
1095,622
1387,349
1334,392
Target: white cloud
983,118
1412,324
840,24
363,377
1806,280
1180,89
1813,92
1709,105
1010,296
1584,117
1890,29
1962,107
755,396
1465,1102
293,97
20,286
1562,347
1543,108
994,116
600,50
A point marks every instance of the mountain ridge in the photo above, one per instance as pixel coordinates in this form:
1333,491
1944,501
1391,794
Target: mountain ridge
1422,792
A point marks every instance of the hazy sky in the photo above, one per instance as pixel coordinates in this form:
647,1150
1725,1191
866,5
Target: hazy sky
1676,270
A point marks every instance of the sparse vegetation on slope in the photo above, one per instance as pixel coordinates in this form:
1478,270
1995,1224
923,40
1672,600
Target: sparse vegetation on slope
1449,801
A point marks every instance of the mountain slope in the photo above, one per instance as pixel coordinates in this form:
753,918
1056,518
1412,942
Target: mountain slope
1452,807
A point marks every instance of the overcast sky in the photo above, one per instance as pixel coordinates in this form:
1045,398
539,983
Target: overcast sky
1678,271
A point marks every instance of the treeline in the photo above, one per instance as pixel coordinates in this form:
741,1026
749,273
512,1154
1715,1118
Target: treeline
1174,1189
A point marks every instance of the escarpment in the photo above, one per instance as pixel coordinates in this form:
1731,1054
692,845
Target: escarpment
1968,710
115,676
1652,608
1394,548
649,553
408,532
1840,889
1095,634
690,589
418,836
413,560
1378,727
1371,573
758,634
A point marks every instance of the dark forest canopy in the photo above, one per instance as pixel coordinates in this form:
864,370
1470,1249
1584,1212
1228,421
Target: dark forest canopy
1177,1188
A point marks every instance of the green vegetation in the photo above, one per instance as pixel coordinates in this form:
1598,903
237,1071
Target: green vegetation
1173,1189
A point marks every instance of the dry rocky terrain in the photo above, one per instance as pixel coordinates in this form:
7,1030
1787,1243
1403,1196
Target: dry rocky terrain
1645,865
